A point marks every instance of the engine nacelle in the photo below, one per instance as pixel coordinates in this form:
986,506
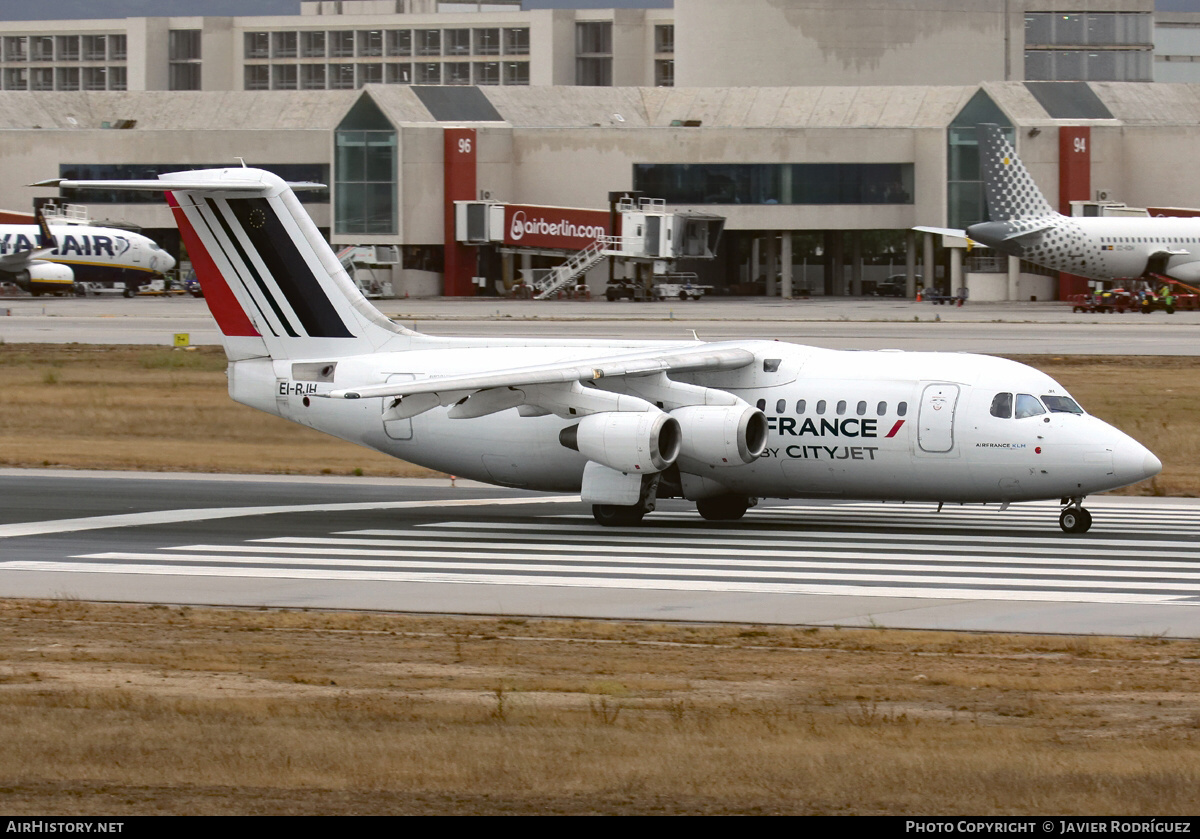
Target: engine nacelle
721,435
628,441
45,272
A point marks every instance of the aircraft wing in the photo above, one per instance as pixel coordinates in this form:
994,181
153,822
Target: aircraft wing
23,259
684,359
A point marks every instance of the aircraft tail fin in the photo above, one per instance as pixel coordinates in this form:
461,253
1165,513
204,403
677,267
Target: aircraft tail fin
1011,191
270,279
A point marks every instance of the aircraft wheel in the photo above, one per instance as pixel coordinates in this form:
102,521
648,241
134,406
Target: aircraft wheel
723,507
1075,520
618,515
128,292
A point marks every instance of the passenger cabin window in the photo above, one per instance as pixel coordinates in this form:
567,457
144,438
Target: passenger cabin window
1002,406
1028,406
841,407
902,409
1061,405
861,409
771,365
821,407
800,406
780,406
881,409
761,405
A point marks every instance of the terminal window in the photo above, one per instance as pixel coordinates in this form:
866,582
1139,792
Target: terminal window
776,183
516,42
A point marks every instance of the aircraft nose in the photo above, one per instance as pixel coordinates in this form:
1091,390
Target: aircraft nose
168,261
1133,462
1151,465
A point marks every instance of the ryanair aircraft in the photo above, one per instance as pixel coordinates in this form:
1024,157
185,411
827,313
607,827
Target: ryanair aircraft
45,259
623,422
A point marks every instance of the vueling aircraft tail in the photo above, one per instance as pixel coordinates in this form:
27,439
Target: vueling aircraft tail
272,282
1011,192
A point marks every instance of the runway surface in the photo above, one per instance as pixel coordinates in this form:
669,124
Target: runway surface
426,547
837,323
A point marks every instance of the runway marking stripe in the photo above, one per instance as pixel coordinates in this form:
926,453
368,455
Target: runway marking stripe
725,547
587,564
807,539
601,582
40,528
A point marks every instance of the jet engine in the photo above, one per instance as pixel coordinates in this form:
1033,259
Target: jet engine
721,435
44,272
628,441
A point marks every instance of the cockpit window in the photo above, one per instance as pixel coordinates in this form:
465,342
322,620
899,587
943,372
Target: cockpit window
1062,405
1002,406
1028,406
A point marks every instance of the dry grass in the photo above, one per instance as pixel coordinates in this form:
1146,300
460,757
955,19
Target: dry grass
115,709
156,409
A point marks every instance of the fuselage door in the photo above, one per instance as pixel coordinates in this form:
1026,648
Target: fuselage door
935,424
400,429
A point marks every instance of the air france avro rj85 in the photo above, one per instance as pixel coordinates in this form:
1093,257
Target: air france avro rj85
623,422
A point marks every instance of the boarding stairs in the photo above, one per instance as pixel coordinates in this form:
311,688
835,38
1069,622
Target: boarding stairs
575,267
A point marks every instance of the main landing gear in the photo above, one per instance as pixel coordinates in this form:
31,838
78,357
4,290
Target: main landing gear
1073,518
724,507
618,515
718,508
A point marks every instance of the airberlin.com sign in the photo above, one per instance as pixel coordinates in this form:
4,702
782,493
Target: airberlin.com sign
553,227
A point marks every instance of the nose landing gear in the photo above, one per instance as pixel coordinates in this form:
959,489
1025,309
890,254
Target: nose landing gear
1074,518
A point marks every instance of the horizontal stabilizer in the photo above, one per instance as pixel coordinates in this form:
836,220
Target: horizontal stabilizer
167,182
942,231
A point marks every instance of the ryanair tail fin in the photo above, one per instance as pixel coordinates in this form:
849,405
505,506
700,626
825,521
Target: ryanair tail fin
271,281
1011,192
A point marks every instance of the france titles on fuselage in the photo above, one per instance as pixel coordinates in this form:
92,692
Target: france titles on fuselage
623,422
79,253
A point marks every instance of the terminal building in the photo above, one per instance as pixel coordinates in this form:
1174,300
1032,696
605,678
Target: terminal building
820,132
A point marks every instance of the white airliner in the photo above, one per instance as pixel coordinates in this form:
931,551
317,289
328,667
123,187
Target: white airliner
51,259
1023,224
623,422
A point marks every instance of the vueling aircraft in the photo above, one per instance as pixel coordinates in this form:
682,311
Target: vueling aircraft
46,259
623,422
1023,224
